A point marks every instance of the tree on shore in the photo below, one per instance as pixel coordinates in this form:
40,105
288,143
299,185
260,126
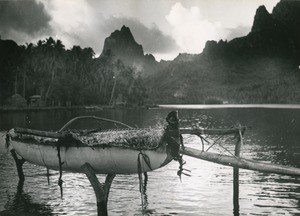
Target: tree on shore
63,76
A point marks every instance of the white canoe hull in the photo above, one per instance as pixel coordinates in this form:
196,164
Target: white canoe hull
104,160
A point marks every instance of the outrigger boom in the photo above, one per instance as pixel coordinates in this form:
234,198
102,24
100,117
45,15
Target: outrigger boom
233,161
241,162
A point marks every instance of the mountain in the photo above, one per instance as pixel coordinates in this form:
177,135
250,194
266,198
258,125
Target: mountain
272,35
123,46
185,57
288,13
261,67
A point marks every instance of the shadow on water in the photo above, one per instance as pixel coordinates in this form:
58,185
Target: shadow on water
22,204
145,209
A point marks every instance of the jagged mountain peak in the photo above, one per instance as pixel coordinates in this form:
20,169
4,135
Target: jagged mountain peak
123,34
125,29
262,20
262,10
122,45
121,42
275,34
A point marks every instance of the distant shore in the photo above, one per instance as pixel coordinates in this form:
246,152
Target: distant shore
228,106
93,107
161,106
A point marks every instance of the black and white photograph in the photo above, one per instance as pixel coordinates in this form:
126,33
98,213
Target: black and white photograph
149,107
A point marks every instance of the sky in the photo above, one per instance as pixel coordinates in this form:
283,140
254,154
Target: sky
164,28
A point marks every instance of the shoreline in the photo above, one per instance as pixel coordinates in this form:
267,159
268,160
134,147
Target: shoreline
94,107
158,106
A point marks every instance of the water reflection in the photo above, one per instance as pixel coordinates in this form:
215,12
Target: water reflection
22,204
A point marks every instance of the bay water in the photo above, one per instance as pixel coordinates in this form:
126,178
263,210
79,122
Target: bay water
272,135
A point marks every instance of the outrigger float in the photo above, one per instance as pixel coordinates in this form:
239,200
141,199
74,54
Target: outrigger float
108,152
123,151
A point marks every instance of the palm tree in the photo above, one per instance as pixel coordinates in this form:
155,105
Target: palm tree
55,56
117,67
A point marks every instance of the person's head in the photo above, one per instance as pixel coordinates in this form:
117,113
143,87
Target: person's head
172,119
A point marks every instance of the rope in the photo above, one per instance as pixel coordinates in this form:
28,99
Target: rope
7,141
239,137
145,158
215,142
178,157
140,178
60,181
42,157
142,186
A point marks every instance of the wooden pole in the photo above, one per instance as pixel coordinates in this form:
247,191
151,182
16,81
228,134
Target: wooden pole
60,133
48,176
236,206
240,162
145,192
39,133
108,181
101,191
200,131
19,164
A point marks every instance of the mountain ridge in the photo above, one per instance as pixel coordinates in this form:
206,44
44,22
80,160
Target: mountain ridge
123,46
260,67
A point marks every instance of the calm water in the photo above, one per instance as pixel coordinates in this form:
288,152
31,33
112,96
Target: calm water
274,137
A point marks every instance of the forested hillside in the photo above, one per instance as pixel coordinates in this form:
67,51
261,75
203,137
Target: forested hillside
222,80
61,76
261,67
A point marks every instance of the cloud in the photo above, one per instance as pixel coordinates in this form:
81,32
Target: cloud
191,30
170,29
239,31
23,17
85,23
151,38
71,22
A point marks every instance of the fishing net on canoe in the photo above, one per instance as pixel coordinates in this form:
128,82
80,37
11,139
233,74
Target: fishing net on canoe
140,139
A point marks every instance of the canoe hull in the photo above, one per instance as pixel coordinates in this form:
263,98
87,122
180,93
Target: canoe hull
104,160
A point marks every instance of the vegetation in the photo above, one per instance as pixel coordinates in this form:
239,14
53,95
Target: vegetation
75,77
66,76
261,67
238,79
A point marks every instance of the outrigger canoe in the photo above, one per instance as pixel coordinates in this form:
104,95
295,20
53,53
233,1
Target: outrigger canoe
120,151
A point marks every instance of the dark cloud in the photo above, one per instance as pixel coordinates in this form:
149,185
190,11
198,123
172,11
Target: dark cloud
152,39
27,17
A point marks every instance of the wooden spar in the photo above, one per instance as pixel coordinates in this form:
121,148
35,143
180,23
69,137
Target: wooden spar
240,162
196,131
238,145
95,118
19,164
48,176
98,189
39,133
200,131
59,134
